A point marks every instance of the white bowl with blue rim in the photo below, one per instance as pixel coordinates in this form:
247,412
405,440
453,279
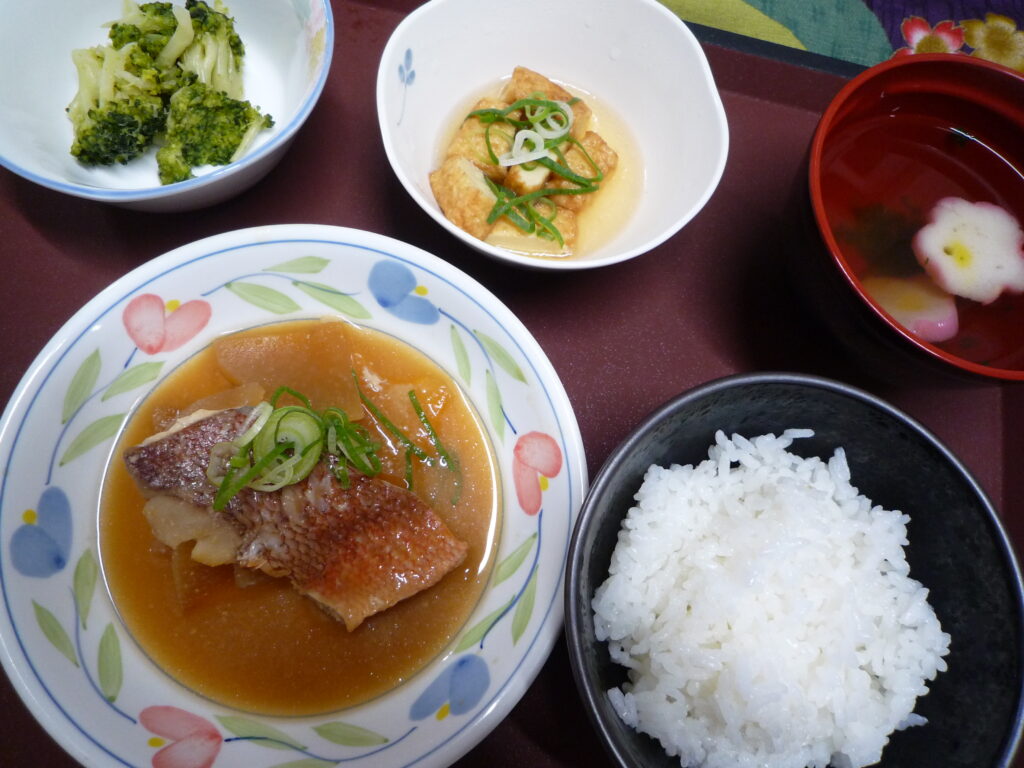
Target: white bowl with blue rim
288,54
635,56
89,684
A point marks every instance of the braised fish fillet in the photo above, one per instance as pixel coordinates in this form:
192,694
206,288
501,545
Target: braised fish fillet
356,550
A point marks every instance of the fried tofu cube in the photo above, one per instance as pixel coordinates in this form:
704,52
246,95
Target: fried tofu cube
523,181
526,83
470,141
580,118
507,235
603,156
461,190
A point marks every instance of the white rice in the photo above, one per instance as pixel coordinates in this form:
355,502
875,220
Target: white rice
765,612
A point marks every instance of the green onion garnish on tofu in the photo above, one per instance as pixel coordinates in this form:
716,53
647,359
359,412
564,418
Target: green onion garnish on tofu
541,136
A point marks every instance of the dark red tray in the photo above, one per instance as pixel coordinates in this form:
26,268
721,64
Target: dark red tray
713,300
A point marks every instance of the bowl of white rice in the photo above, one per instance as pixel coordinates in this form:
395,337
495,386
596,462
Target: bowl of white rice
778,571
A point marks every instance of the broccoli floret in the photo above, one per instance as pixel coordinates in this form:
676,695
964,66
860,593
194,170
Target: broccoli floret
216,52
169,69
119,132
172,165
118,109
206,127
150,25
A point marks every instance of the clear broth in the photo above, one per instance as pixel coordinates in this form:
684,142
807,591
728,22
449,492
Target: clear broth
883,174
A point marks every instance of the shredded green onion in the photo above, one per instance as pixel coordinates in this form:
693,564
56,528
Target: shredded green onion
550,121
280,446
446,460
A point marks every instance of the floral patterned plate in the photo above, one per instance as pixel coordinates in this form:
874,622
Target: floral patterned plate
62,642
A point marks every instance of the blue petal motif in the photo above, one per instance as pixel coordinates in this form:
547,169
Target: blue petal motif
408,76
461,685
405,71
42,549
392,285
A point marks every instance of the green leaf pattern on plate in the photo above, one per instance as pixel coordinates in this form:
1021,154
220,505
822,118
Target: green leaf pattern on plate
81,386
501,356
133,377
479,630
349,735
461,356
335,299
494,406
108,664
258,732
97,432
523,600
54,632
304,265
525,608
84,584
273,300
510,564
264,297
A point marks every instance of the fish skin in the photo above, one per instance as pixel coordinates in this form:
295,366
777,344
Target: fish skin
357,550
175,465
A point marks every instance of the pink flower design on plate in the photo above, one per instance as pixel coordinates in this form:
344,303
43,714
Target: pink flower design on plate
156,326
535,458
922,37
195,741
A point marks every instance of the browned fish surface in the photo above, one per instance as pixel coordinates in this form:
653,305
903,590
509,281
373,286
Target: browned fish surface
356,550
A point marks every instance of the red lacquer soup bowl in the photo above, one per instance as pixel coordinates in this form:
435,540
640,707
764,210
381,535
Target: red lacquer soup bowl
896,140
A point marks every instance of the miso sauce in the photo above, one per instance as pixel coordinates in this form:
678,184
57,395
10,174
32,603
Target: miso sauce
263,647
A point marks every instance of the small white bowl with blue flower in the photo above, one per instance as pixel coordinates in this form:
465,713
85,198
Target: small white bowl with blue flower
634,58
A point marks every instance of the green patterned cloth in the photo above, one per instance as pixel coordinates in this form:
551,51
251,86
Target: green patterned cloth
869,31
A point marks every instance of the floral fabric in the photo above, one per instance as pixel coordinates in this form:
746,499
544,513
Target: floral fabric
869,31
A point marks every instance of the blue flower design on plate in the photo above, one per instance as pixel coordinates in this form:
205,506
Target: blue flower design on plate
40,547
394,287
408,76
405,71
456,691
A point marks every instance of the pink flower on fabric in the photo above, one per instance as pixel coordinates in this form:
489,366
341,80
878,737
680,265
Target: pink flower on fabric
921,37
535,456
195,741
156,326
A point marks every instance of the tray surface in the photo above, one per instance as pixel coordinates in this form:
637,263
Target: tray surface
711,301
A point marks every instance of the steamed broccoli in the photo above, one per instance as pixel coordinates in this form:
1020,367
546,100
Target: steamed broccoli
171,75
118,109
162,30
150,25
215,55
205,126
